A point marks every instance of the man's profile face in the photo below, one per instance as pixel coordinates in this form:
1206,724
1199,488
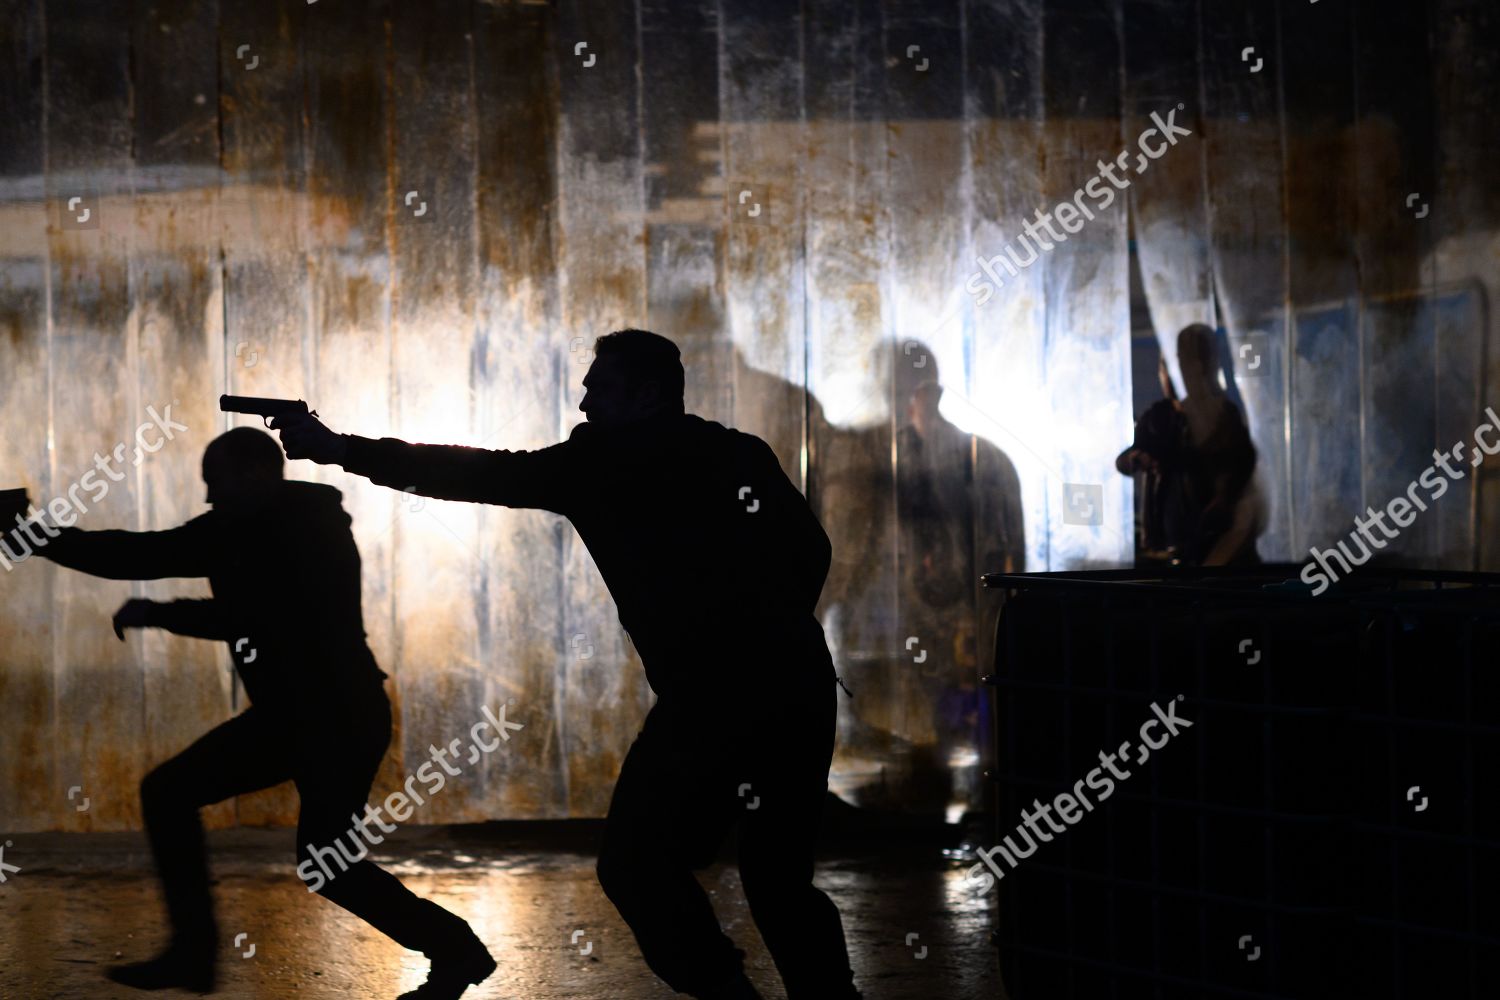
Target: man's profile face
610,397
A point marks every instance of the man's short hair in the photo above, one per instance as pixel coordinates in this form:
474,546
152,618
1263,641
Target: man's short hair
250,450
646,355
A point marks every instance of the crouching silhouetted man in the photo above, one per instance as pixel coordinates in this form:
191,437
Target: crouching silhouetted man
715,562
285,575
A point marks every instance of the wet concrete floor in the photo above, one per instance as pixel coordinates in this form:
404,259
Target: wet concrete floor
83,901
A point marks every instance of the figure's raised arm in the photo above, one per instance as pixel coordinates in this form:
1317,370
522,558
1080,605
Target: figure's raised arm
538,478
131,555
114,555
199,619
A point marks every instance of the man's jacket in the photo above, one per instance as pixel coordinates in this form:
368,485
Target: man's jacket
714,559
285,580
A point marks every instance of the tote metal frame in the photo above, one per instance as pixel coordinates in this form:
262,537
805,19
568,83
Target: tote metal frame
1378,930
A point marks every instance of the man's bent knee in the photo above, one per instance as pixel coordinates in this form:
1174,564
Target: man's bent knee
627,874
159,789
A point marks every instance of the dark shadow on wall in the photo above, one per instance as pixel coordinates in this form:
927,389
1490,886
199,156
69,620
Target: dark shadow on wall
911,627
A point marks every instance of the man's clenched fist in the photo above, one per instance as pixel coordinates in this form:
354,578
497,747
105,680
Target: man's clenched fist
304,436
134,613
13,504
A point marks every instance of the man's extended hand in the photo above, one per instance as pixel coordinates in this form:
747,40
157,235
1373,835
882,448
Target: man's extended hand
134,613
1133,460
304,436
13,504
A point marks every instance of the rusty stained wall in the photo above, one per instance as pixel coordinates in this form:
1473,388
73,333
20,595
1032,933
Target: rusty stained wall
418,216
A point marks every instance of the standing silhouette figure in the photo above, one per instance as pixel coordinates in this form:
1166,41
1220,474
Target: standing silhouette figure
715,562
285,576
1200,504
958,515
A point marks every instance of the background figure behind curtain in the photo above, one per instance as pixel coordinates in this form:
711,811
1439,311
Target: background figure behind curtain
959,510
1200,507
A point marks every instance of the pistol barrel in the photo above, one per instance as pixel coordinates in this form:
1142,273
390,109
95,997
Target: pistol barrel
261,406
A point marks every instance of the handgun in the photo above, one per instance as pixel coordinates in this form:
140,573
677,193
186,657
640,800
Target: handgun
263,407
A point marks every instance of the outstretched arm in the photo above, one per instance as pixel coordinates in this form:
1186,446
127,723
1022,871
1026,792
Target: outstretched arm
132,555
445,472
199,619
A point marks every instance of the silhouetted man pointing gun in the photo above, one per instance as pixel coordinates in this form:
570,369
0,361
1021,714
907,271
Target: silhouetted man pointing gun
715,562
285,575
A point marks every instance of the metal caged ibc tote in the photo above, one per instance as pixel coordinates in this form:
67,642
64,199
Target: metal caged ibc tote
1327,826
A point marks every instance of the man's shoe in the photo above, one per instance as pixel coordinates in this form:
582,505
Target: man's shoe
454,971
169,970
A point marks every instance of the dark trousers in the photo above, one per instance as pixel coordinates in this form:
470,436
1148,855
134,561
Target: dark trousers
681,791
333,757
